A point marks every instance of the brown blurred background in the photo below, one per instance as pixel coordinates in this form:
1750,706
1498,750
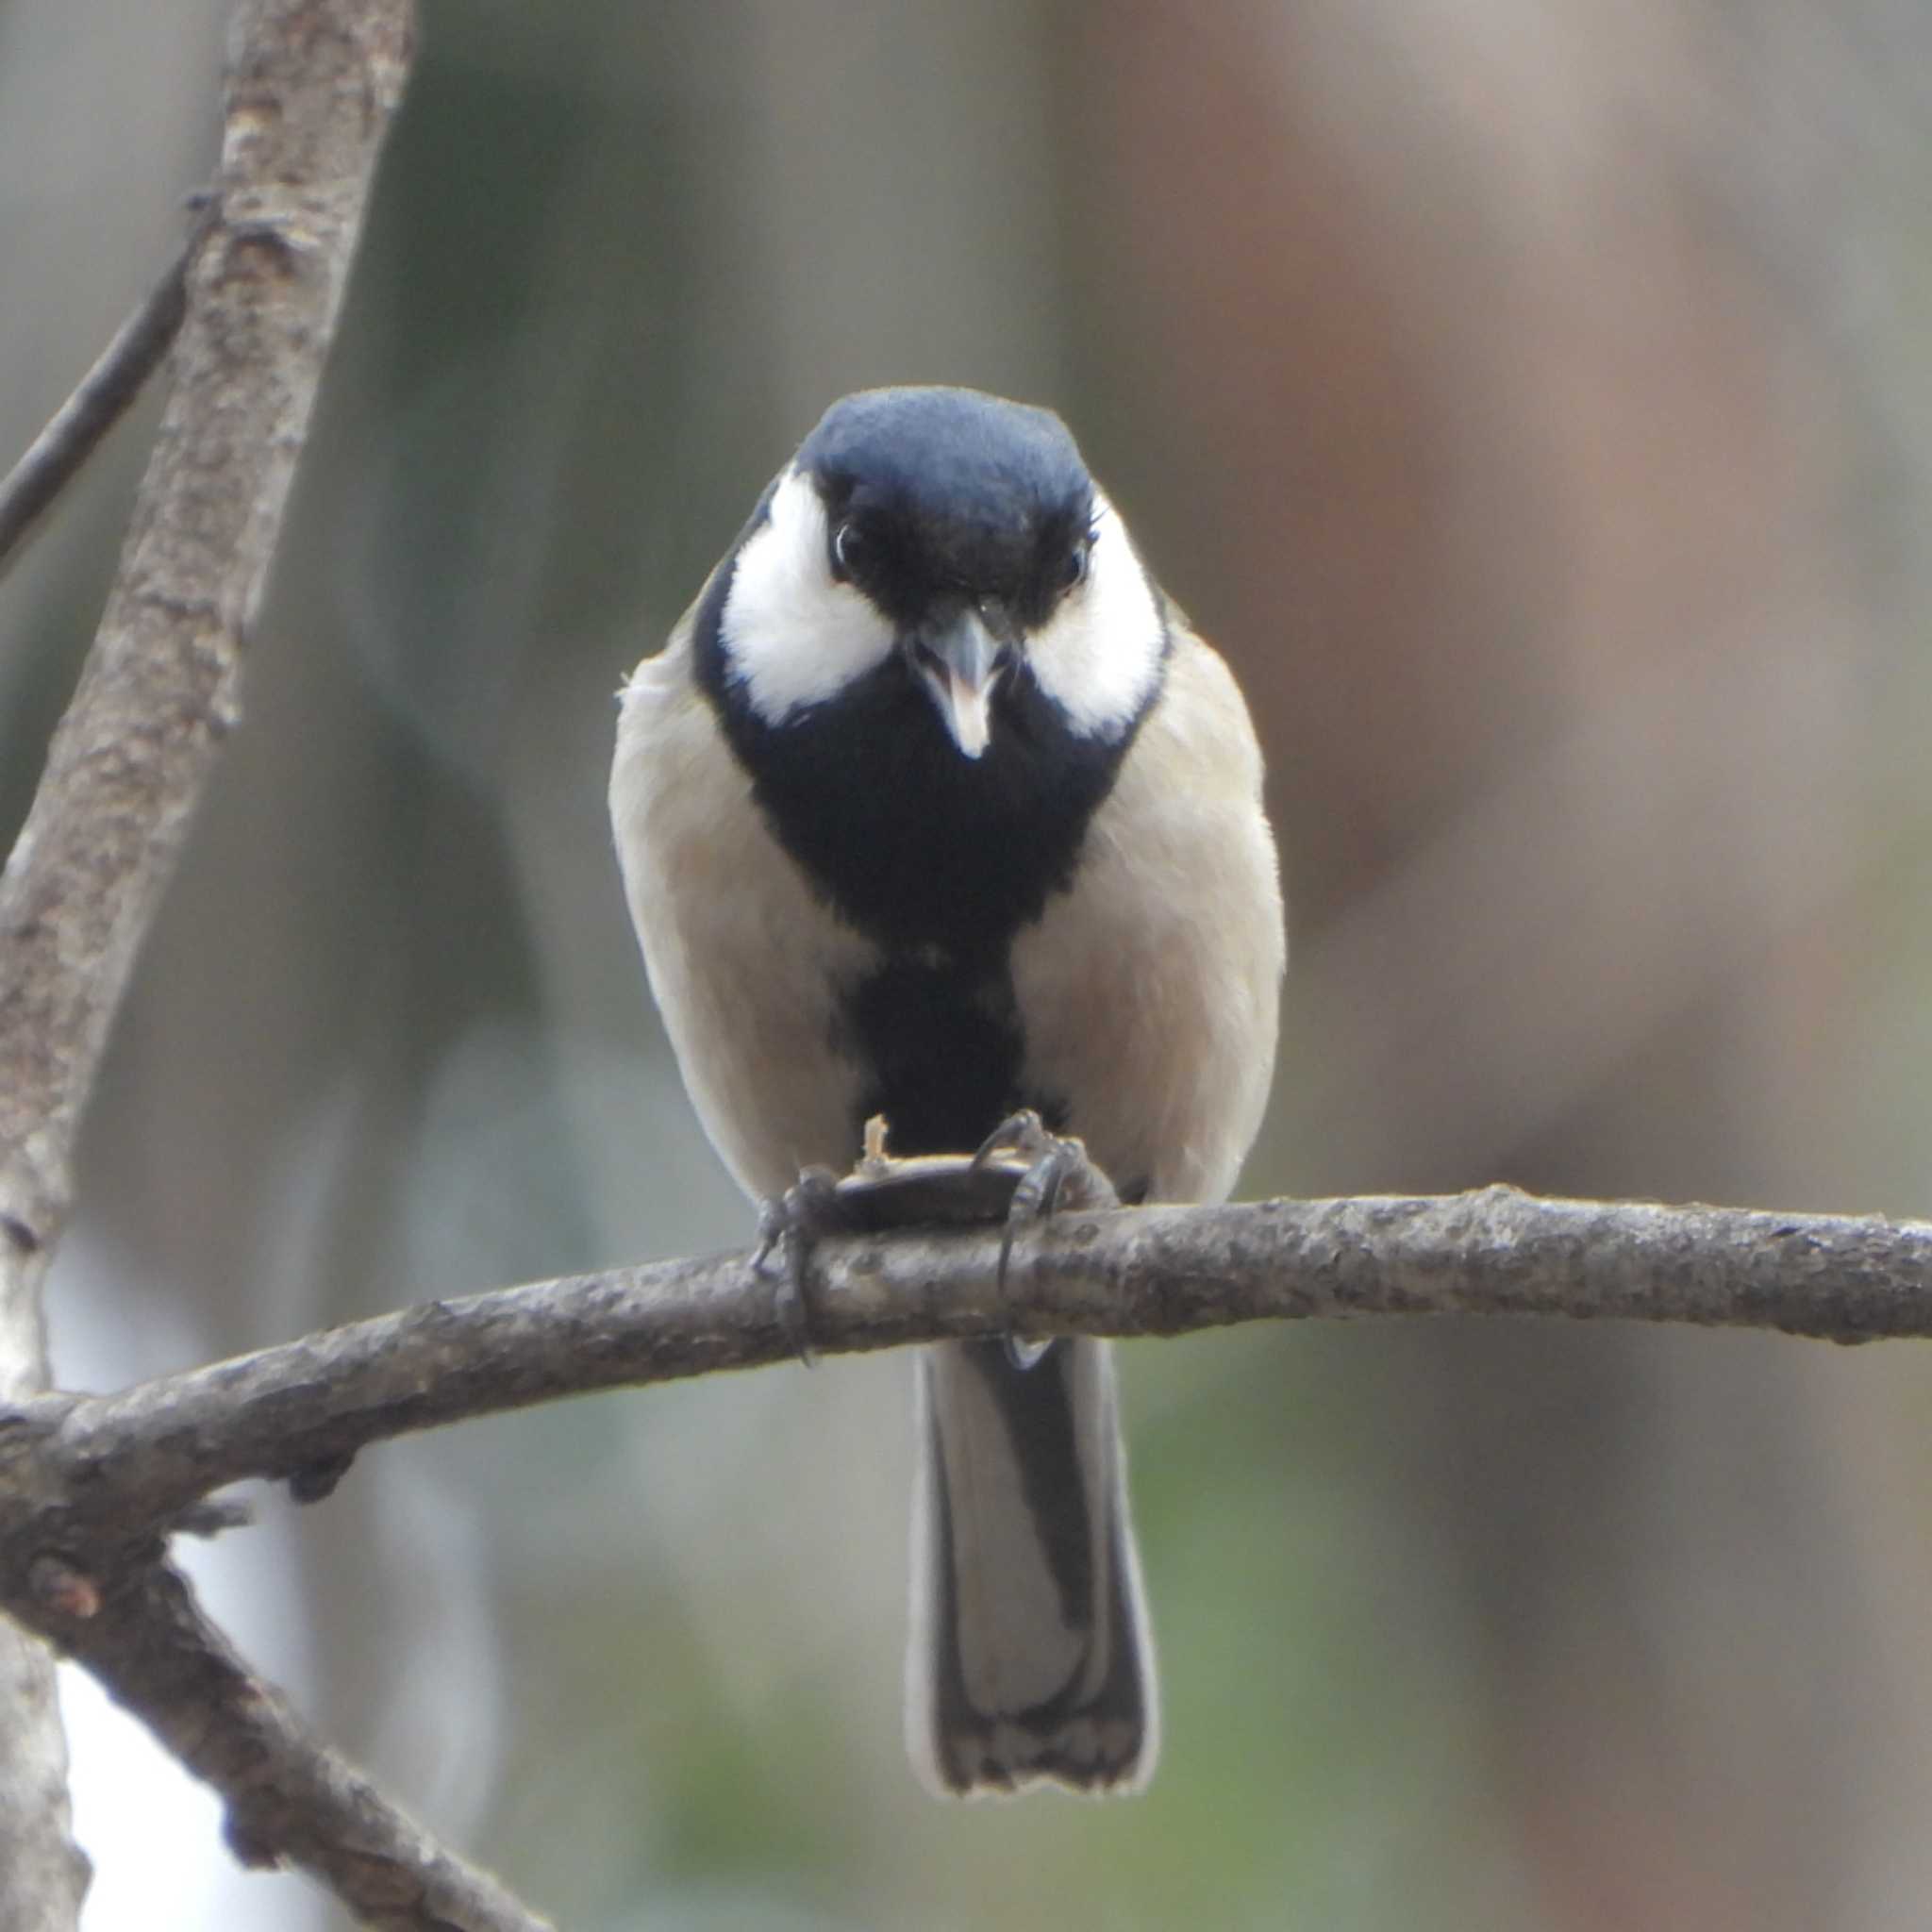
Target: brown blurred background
1536,404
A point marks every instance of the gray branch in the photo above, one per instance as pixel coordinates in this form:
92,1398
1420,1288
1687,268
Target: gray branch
55,456
311,89
139,1628
78,1471
91,1485
310,96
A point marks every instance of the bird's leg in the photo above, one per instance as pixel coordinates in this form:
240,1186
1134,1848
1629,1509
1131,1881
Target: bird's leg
792,1221
1059,1174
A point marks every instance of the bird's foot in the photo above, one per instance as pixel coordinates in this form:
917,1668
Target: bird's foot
1059,1174
791,1223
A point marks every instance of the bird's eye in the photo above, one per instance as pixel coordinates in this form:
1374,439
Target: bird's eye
845,548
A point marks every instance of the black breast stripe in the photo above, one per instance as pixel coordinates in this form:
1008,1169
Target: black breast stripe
942,1045
913,843
939,858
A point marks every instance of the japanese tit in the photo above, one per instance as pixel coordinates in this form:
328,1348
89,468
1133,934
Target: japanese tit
935,806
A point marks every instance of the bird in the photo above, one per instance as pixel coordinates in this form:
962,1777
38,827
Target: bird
934,807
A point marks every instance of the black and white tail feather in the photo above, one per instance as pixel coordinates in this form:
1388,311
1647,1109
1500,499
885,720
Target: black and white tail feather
1030,1657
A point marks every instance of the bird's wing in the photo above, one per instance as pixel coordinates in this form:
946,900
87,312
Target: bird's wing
1149,989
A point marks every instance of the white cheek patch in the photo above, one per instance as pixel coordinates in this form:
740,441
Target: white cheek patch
793,636
1098,655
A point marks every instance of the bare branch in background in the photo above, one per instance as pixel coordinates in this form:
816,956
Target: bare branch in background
54,459
310,93
143,1633
308,99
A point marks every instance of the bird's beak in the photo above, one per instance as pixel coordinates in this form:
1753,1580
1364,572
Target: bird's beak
961,662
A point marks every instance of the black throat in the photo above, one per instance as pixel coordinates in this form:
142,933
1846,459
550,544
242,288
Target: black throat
938,858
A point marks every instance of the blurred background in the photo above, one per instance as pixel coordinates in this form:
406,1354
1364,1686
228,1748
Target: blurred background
1536,404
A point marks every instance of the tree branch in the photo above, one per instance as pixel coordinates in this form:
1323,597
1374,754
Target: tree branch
55,456
139,1629
75,1469
311,94
311,88
89,1484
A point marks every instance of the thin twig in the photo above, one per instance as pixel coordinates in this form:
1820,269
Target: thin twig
73,1468
102,398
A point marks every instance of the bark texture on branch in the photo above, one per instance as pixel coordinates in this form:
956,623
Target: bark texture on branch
142,1632
311,86
74,1470
89,1484
310,94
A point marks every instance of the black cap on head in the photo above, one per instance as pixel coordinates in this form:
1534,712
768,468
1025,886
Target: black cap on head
949,491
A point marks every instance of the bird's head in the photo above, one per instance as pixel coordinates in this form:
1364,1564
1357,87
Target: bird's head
954,539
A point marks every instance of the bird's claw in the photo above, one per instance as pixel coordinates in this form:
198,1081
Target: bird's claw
792,1223
1059,1174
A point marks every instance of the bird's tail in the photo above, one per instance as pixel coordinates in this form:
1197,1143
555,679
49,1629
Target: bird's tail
1030,1655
